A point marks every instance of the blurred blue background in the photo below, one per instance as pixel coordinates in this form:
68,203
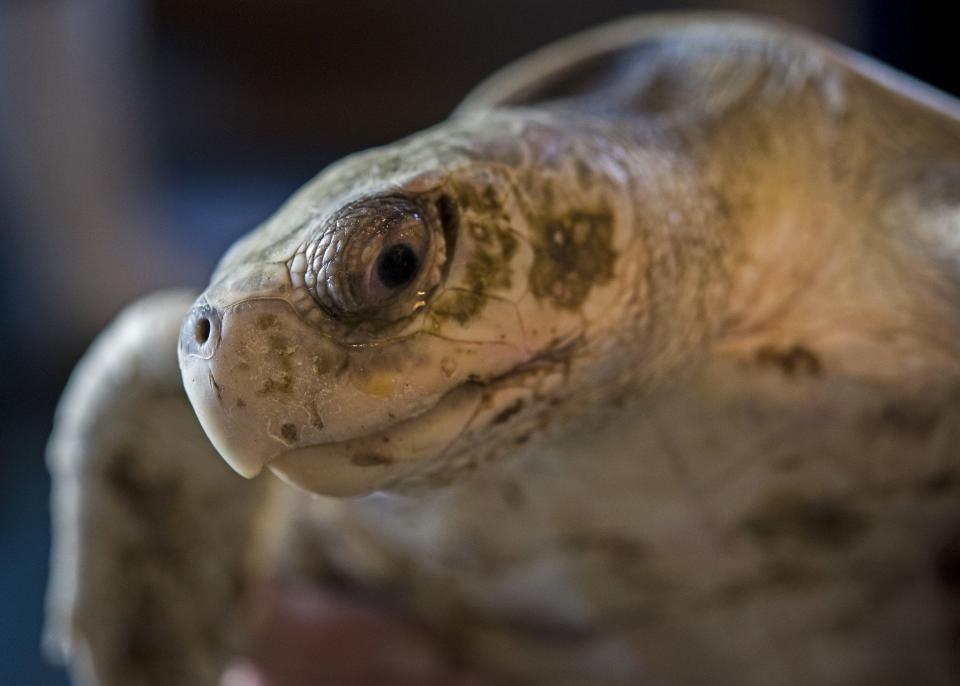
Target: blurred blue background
139,139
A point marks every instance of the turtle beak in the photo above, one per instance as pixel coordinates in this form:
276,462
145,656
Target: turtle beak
244,446
266,386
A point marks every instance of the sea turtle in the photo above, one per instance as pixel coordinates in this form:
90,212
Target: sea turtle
643,367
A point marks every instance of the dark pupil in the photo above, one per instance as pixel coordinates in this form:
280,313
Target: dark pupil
397,266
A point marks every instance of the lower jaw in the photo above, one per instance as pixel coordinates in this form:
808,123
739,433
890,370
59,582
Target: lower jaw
362,465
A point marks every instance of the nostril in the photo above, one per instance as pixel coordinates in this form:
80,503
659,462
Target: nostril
201,332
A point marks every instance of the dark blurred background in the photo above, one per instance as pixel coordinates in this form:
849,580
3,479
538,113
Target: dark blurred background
139,139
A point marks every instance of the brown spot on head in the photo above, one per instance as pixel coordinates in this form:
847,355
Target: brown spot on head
371,460
281,383
794,361
459,306
487,269
572,254
266,321
787,517
289,433
280,346
489,265
484,201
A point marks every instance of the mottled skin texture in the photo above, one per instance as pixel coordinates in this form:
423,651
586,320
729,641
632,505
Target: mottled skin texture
674,398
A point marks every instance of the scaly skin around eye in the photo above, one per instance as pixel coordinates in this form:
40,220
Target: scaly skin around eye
371,254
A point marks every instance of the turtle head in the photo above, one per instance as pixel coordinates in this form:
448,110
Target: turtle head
408,305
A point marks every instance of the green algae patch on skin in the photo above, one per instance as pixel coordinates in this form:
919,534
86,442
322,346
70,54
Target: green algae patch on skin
487,269
572,254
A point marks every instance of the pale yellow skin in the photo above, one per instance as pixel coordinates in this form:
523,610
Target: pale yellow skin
680,402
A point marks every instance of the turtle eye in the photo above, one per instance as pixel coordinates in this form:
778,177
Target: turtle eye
371,254
388,263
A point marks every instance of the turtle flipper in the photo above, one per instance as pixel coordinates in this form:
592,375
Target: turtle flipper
150,525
